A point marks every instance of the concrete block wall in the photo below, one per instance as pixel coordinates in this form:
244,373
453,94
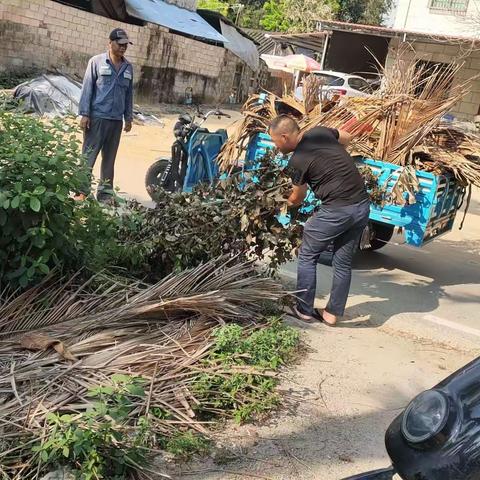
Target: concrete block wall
464,53
41,35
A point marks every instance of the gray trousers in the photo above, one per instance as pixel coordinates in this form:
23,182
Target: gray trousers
103,135
343,226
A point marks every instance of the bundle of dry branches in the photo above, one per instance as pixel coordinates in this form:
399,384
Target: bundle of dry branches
51,357
402,119
311,89
257,115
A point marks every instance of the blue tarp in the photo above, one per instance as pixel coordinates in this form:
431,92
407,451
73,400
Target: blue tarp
173,17
241,46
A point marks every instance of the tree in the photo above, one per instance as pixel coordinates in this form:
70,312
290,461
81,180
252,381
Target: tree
299,15
274,19
363,11
303,15
251,16
215,5
296,15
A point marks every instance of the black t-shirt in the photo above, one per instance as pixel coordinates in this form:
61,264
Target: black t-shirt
323,163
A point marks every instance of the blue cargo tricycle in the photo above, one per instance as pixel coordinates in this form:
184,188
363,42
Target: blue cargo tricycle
194,161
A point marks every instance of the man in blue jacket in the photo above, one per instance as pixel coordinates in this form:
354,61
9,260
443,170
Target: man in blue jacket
106,101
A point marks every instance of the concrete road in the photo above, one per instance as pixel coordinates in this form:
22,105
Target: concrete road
412,318
433,291
434,288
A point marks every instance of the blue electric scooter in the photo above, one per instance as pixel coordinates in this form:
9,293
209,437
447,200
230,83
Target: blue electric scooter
194,156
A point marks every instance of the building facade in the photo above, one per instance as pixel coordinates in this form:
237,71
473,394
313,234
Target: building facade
355,48
446,17
42,35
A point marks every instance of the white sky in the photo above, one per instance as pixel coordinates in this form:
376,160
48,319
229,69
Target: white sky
391,17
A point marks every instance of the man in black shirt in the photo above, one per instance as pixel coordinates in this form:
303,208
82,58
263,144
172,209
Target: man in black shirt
320,161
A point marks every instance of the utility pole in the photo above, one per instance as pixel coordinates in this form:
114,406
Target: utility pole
238,8
407,14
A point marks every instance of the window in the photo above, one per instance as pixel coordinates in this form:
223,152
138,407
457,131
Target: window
359,84
330,80
449,6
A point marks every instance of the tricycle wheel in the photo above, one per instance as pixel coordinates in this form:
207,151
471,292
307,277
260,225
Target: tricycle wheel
156,177
381,235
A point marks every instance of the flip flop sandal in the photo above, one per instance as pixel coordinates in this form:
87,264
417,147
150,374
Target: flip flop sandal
321,319
302,316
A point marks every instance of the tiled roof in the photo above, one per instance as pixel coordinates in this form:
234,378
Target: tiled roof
265,45
393,32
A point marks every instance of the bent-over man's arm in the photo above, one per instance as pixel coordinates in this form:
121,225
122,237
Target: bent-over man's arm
344,137
298,195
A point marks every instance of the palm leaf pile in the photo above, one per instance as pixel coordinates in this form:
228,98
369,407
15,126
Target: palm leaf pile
58,346
257,115
400,125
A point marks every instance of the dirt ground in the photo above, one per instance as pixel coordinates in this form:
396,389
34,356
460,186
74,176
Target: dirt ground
412,319
338,402
143,145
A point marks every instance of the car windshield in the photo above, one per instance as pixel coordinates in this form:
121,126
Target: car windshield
330,80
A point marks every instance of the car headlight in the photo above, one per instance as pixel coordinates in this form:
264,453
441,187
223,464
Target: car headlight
425,416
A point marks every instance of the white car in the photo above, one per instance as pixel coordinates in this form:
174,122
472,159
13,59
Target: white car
343,85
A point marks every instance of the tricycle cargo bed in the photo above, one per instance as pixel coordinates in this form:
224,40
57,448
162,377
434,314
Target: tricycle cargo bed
433,213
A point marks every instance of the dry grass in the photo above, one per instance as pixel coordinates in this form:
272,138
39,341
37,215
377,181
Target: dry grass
160,333
403,120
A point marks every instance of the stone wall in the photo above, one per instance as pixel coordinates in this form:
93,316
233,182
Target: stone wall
462,53
43,35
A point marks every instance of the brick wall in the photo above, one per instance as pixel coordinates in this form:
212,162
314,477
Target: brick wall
449,53
42,34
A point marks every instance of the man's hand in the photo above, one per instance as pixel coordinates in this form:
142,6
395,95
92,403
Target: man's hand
297,196
85,123
286,194
128,126
344,137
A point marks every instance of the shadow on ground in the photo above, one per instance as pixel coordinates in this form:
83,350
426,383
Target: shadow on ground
401,280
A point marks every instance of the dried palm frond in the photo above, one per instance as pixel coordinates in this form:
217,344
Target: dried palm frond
159,333
257,115
311,93
405,186
402,119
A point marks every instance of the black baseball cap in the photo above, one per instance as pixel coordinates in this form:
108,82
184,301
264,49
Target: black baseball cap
120,36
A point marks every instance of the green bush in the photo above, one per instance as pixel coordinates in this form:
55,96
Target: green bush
42,226
99,443
241,388
267,347
40,166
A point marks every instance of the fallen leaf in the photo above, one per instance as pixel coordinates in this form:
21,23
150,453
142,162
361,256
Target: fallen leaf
42,342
